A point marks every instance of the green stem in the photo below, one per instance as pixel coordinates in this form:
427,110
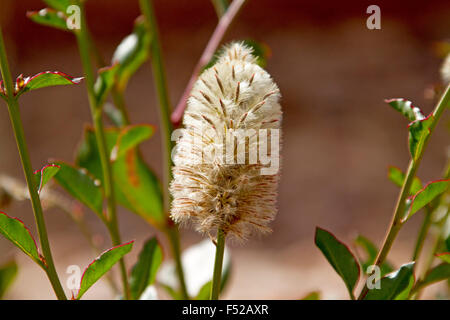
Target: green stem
218,263
16,122
96,111
167,128
399,211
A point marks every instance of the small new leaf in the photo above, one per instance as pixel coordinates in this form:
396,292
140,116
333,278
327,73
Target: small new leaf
339,256
101,265
398,177
49,17
104,83
42,80
44,175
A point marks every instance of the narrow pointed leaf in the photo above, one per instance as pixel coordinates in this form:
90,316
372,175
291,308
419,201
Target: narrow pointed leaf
144,271
60,5
45,79
44,175
444,256
15,231
426,195
418,133
406,108
49,17
130,137
392,284
102,265
372,252
339,256
8,273
81,185
131,53
438,273
398,177
104,83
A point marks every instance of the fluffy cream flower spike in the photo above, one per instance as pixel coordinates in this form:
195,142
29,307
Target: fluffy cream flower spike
237,98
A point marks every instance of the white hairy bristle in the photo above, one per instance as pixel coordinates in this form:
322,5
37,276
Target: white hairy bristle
210,192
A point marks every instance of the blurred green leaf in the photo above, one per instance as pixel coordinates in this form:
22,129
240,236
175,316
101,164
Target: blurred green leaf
130,137
136,186
438,273
60,5
8,273
44,175
15,231
398,177
339,256
81,185
49,17
393,284
101,265
447,242
444,256
205,291
144,271
372,252
104,83
260,51
44,79
405,293
315,295
131,53
426,195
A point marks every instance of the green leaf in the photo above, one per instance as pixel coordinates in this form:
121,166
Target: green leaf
339,256
438,273
136,186
205,291
131,53
315,295
398,177
447,242
372,252
8,273
405,293
60,5
15,231
426,195
444,256
49,17
393,284
144,271
101,265
406,108
260,51
81,185
418,133
129,138
44,175
44,79
104,83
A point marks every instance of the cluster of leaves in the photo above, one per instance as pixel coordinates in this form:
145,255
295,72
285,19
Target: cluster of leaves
401,283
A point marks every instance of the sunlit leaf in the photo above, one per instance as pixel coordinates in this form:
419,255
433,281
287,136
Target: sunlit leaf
426,195
104,83
136,186
398,177
130,137
101,265
44,175
406,108
392,284
315,295
8,273
60,5
15,231
42,80
339,256
81,185
49,17
131,53
144,271
371,251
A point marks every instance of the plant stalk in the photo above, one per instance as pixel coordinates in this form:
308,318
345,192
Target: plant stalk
82,37
16,122
159,77
399,211
218,263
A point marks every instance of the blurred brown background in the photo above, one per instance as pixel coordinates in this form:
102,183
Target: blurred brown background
339,136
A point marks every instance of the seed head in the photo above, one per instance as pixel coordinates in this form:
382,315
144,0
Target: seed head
213,186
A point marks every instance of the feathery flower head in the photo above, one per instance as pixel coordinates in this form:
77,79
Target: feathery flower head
227,159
